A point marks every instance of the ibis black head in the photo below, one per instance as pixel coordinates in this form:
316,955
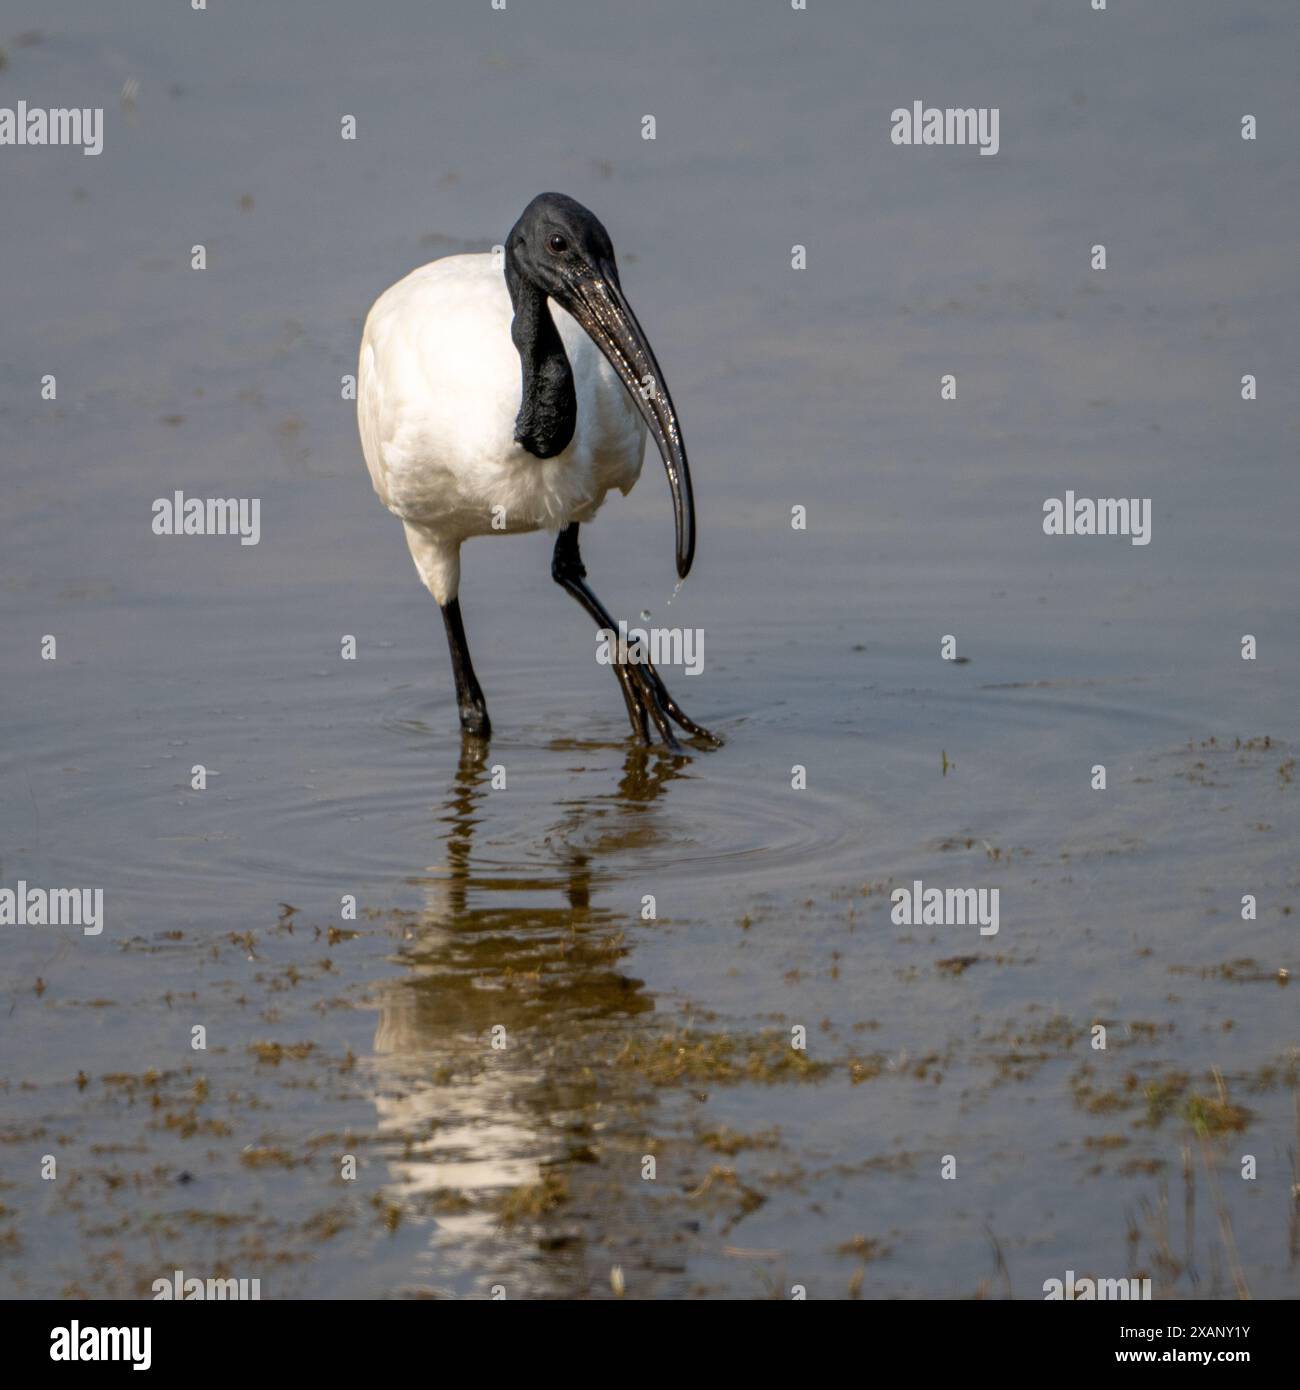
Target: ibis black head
561,249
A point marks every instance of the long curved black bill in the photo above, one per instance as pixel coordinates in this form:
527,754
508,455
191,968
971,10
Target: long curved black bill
600,307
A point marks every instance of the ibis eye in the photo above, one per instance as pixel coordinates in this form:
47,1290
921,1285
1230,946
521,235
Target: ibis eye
557,243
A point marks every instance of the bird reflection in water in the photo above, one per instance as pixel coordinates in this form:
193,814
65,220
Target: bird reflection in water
520,948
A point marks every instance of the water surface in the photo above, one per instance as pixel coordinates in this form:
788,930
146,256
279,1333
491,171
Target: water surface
521,908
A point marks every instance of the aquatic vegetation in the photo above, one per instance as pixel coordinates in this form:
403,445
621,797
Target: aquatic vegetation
721,1058
273,1053
1214,1115
531,1201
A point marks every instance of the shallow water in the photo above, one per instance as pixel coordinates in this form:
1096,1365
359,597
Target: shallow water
521,907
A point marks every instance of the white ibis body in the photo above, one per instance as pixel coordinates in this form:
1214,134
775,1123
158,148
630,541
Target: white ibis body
495,398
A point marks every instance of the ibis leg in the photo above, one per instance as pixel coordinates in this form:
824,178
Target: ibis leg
647,698
469,697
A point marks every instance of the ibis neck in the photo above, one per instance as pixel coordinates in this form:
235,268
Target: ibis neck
548,406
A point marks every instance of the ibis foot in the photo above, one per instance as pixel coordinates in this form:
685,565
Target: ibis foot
648,702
